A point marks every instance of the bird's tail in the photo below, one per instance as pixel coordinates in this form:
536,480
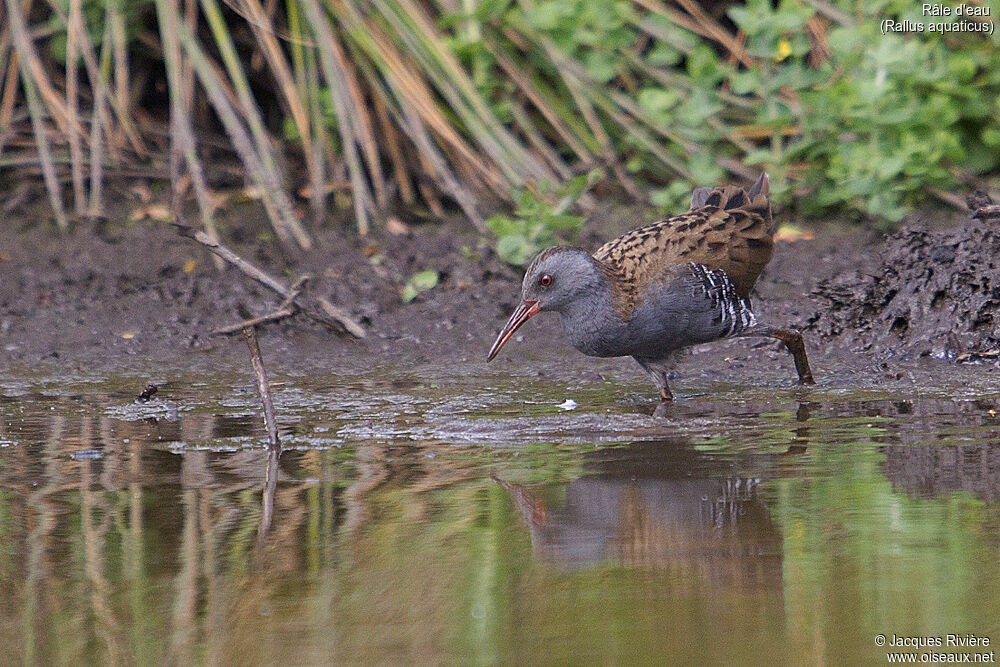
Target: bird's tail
756,200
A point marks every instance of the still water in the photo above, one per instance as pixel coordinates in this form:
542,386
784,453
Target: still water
469,521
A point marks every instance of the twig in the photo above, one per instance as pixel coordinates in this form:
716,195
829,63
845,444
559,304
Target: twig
263,388
982,206
340,316
318,309
286,309
225,253
273,316
987,212
273,443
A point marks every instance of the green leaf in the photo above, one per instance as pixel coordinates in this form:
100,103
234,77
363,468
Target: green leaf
419,282
516,249
602,66
424,280
549,15
289,129
488,10
659,101
673,197
664,55
563,222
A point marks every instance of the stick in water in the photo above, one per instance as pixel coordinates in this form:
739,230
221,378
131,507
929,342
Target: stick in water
274,445
263,388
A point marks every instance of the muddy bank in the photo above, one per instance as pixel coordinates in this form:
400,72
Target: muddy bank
127,295
935,292
139,290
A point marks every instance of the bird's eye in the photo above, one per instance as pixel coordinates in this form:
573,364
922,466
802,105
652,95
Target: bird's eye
545,280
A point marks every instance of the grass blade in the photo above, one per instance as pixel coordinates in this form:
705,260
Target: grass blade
44,150
336,80
182,143
25,51
250,112
279,206
72,105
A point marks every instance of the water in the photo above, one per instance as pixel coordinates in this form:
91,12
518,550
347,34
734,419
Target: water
471,520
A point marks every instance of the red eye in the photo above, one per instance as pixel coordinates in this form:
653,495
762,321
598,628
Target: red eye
545,280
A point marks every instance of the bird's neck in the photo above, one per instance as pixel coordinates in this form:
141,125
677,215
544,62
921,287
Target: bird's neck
590,322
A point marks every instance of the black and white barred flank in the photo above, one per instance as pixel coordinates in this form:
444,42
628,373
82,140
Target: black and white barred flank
732,312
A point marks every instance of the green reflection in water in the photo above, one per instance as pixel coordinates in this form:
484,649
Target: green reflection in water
728,530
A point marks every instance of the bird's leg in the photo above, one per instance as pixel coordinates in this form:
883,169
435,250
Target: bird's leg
793,341
659,378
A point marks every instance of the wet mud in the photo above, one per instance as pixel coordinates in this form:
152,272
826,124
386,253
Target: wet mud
119,296
110,292
934,293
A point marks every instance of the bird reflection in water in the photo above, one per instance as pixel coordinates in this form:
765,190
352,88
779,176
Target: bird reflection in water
661,504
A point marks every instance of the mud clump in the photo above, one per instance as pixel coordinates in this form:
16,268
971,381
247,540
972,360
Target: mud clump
936,294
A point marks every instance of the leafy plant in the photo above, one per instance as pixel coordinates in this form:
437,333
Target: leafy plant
456,104
418,283
538,222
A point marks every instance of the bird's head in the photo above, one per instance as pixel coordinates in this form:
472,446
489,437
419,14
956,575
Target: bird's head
556,278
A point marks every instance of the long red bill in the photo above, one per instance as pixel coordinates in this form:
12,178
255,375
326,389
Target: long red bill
522,314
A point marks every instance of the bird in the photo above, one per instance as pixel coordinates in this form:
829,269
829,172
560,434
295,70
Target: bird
663,287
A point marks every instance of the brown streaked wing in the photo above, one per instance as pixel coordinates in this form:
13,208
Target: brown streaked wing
730,232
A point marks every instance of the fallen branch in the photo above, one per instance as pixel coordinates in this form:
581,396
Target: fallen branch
273,316
316,308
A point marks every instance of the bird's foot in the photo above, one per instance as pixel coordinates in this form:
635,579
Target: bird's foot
665,395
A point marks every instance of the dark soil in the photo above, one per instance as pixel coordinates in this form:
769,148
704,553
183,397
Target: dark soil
109,293
141,289
935,293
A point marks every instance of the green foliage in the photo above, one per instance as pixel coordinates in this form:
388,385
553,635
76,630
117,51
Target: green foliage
880,137
855,121
498,96
94,14
538,222
419,282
